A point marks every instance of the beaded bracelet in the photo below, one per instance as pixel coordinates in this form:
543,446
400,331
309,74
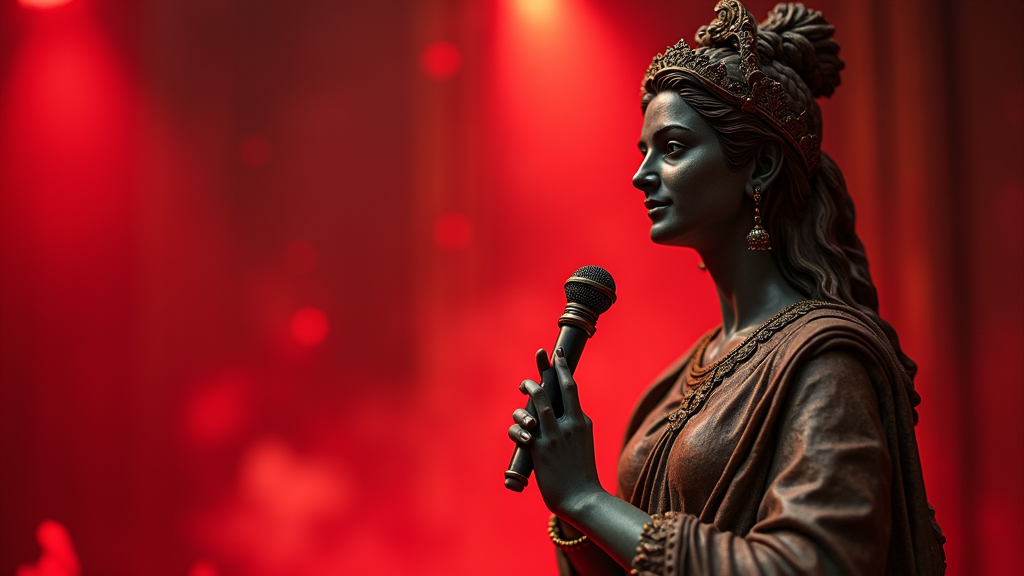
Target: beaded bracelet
555,536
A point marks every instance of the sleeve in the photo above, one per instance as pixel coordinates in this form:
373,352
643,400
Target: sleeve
826,505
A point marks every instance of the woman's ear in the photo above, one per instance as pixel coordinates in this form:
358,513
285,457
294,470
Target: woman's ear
766,166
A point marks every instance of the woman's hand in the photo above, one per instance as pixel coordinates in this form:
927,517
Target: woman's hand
562,448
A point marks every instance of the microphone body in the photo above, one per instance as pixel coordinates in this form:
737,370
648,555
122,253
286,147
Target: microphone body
590,291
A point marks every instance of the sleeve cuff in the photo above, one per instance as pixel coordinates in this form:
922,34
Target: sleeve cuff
657,552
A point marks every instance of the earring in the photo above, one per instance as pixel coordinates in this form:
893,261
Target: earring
758,238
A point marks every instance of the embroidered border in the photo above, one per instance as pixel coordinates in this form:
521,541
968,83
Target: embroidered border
655,551
711,376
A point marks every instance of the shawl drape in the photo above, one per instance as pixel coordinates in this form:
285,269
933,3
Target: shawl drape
797,456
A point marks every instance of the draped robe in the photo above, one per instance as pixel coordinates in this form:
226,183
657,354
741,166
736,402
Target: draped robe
796,455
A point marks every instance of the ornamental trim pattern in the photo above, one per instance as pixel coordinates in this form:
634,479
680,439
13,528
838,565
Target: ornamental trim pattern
705,380
655,552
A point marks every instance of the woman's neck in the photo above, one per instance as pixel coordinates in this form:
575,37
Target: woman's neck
751,289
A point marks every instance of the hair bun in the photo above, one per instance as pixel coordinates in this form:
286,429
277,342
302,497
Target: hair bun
802,39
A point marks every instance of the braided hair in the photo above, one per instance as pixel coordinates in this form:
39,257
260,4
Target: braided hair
810,216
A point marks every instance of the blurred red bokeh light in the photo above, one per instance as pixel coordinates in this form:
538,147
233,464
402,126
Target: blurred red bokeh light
58,556
440,60
202,568
42,4
215,411
310,326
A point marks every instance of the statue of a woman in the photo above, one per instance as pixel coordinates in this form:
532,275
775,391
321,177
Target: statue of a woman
783,441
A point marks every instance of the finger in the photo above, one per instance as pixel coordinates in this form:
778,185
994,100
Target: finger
522,388
547,375
541,402
518,435
542,361
524,419
570,393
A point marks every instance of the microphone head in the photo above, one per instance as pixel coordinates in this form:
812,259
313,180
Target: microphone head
591,287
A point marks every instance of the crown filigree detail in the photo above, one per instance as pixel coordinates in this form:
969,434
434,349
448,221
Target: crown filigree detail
757,93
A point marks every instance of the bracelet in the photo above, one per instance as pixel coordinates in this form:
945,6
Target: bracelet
556,537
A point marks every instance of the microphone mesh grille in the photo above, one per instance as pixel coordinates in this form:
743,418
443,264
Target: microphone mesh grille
592,298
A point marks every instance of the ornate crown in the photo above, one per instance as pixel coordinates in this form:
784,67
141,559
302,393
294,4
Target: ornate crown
756,93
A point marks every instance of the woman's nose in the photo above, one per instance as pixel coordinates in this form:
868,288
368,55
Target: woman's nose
646,180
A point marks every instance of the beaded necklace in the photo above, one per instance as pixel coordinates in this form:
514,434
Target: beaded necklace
703,380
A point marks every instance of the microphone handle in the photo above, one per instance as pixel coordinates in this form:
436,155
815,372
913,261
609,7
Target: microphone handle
572,339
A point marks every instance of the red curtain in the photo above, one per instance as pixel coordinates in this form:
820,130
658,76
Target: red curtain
270,272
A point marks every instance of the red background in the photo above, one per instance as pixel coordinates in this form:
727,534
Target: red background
270,271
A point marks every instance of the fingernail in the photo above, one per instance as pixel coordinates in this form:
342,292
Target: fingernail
524,435
559,352
527,421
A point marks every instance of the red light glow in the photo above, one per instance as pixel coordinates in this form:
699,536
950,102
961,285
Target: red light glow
58,557
537,11
202,568
310,326
42,4
215,413
284,501
440,60
452,231
255,151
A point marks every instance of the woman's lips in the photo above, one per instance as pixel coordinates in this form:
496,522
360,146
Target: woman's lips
655,206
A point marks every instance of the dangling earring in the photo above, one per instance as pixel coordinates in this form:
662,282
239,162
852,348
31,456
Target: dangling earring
758,238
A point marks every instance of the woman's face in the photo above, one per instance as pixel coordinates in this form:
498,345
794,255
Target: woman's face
692,197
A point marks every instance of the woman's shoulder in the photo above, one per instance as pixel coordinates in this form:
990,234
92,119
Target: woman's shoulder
836,342
794,326
797,333
784,343
833,327
806,318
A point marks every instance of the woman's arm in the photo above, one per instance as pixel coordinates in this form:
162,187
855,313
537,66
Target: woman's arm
587,559
563,458
825,510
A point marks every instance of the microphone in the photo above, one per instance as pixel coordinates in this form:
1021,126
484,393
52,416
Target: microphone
589,292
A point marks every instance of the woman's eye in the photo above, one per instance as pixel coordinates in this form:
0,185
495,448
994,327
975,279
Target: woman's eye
673,148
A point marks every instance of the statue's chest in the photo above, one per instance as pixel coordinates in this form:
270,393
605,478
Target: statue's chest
708,440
